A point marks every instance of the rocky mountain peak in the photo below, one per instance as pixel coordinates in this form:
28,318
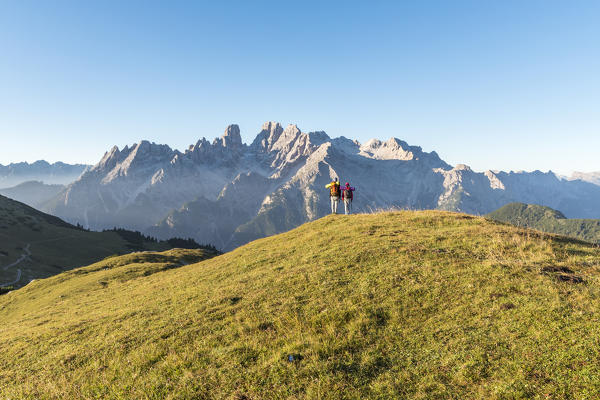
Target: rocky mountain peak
495,183
146,147
147,152
396,149
111,153
592,177
232,137
137,158
462,167
393,149
200,144
272,127
268,136
291,130
197,151
287,137
109,160
318,138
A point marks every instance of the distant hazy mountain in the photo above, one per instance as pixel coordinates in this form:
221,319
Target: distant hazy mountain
32,193
57,173
548,220
228,193
592,177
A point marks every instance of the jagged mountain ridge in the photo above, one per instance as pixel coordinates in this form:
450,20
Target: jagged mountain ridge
228,193
56,173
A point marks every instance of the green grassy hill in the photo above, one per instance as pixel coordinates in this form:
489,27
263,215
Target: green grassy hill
548,220
35,245
420,305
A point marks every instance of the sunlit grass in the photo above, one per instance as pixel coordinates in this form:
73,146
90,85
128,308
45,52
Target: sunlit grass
422,305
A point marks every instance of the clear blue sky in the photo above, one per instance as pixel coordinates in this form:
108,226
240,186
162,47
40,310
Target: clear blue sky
492,84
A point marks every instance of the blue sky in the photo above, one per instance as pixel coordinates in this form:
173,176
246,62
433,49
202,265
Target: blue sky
493,84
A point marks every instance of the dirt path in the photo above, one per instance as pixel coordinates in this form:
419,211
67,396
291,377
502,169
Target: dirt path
26,254
19,272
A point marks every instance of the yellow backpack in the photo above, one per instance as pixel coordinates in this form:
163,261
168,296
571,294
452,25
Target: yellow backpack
334,189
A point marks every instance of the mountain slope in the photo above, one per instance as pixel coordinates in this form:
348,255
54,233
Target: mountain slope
546,219
214,221
56,173
35,245
395,305
32,193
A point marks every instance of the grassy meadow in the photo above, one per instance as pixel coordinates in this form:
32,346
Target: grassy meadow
415,305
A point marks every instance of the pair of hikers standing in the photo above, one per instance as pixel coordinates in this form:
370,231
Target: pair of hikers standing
346,193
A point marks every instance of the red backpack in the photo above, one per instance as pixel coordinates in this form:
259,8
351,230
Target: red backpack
347,193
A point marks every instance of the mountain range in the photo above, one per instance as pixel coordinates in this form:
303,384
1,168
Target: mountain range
228,193
56,173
